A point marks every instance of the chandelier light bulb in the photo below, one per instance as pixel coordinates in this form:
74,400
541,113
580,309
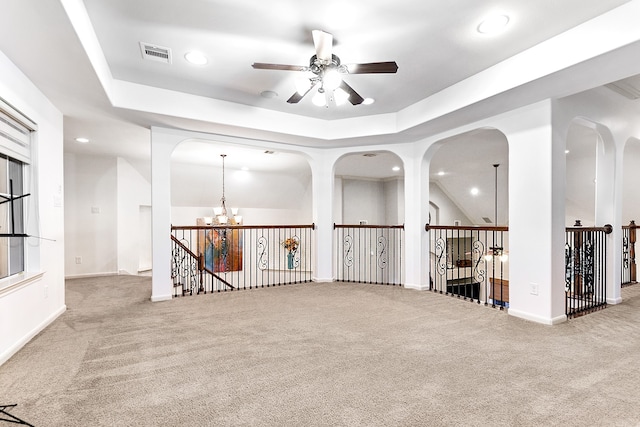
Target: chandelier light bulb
340,96
331,79
319,99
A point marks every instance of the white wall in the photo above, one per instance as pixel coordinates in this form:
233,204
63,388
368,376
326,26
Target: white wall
28,306
448,210
263,198
133,191
394,201
91,215
197,185
363,200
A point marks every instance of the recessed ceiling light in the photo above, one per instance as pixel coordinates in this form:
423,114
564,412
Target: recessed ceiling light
441,173
395,168
475,191
82,140
493,24
268,94
566,151
195,58
244,168
368,101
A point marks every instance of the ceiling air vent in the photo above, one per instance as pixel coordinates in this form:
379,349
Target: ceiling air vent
155,53
487,220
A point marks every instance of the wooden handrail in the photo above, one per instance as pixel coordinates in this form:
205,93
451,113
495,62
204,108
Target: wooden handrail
607,229
183,247
366,226
201,265
218,277
428,227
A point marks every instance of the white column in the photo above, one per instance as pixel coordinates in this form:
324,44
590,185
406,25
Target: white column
536,215
416,202
163,143
322,176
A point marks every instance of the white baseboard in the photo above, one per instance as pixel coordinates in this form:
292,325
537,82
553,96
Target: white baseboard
158,298
537,319
84,276
614,301
321,280
29,336
417,287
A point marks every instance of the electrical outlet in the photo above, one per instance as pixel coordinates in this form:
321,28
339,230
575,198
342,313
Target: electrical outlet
533,289
78,260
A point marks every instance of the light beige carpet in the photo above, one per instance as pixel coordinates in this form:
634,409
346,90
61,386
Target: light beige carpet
320,355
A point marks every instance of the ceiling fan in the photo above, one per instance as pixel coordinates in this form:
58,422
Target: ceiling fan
327,72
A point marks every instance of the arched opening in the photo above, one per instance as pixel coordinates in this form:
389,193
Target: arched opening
369,210
241,217
590,201
468,241
630,211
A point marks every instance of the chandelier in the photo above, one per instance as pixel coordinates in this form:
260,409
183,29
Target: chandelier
327,76
221,214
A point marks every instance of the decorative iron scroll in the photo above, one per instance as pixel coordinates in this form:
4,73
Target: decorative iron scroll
568,267
184,268
441,256
382,252
479,267
580,263
348,250
625,252
296,253
263,256
588,264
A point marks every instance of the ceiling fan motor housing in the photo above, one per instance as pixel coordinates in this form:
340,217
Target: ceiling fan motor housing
317,66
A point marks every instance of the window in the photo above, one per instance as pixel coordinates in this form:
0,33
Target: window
11,217
16,131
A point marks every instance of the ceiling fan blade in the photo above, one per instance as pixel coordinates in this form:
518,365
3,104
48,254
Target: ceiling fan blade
354,97
297,97
324,44
373,67
283,67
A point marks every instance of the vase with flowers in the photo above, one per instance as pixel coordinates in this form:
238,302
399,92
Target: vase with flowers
291,245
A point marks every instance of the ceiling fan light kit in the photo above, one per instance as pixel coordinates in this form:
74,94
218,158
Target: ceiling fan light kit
327,74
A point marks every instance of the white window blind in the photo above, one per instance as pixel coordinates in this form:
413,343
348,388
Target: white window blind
15,133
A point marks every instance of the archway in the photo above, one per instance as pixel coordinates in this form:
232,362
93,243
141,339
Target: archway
369,214
630,211
468,183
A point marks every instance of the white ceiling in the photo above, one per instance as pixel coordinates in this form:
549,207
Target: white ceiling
434,43
85,56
